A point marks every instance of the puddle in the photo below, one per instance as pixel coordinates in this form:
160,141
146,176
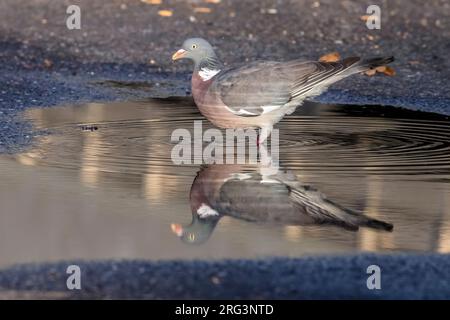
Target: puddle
102,185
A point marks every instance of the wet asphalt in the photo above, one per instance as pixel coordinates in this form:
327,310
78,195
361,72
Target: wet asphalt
343,277
42,63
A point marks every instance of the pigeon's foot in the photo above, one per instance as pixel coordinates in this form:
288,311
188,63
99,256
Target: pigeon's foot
263,135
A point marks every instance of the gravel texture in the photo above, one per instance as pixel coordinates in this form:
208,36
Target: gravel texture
402,277
43,63
123,52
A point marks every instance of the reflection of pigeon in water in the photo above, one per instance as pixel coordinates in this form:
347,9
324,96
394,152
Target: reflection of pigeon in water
220,190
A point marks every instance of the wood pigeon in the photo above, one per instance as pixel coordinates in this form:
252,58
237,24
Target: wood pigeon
260,94
245,193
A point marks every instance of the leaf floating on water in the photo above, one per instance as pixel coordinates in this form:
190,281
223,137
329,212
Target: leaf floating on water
202,10
165,13
330,57
152,1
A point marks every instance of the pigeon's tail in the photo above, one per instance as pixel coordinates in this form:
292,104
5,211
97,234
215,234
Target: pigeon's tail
377,224
352,221
377,62
323,210
355,65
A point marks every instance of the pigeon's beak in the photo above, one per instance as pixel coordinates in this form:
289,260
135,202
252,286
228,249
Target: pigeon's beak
179,54
177,229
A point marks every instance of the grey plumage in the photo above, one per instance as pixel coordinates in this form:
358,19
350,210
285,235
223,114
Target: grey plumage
286,200
259,94
246,194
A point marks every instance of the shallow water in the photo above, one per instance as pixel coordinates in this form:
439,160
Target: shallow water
99,183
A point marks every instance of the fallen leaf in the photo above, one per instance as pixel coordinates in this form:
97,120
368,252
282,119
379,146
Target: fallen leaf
389,71
165,13
381,69
370,72
330,57
202,10
152,1
48,63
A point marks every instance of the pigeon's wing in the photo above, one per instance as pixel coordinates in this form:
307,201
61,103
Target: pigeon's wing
251,200
262,87
323,74
313,203
285,200
256,88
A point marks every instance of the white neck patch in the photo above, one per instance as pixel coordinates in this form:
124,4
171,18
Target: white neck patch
206,211
207,74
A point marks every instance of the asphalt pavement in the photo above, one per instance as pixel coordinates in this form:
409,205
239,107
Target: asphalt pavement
123,51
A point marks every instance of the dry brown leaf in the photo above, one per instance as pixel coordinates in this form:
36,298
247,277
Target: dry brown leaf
165,13
370,72
48,63
389,71
330,57
202,10
152,1
381,69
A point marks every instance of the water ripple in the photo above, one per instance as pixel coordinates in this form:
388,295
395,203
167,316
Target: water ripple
135,138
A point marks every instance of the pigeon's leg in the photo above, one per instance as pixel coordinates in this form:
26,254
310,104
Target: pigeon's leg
264,134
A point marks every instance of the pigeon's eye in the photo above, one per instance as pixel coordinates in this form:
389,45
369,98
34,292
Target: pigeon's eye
194,46
191,237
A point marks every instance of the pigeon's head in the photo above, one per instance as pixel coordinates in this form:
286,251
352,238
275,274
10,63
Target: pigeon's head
192,234
198,231
196,49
